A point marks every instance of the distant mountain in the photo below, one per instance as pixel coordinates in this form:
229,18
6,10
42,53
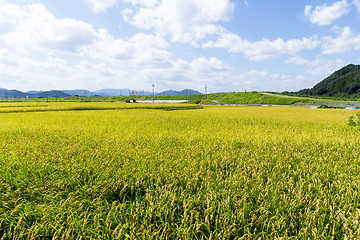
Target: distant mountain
342,83
189,91
113,92
174,93
167,93
128,92
32,92
80,92
50,94
121,92
5,93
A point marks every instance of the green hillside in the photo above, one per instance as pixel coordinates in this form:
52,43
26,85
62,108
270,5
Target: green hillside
342,83
237,98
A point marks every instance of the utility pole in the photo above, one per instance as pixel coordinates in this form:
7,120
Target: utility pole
205,92
153,88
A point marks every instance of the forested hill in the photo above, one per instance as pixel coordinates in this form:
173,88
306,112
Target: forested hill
342,83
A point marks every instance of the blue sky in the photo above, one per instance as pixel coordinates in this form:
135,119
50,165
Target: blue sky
228,45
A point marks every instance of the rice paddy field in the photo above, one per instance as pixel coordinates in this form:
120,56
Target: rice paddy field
117,171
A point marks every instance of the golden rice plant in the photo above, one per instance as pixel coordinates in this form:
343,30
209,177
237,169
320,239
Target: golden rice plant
217,172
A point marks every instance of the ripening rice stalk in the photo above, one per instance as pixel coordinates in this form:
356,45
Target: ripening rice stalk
217,172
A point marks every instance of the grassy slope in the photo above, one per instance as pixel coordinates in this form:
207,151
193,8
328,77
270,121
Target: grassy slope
254,98
238,98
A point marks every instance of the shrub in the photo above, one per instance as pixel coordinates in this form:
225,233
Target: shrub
354,120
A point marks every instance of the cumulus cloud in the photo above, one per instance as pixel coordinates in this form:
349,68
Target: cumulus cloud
8,58
185,21
346,41
99,6
36,28
35,37
264,49
204,65
357,5
10,13
319,66
30,73
146,3
326,14
201,69
195,74
262,80
179,74
139,51
41,50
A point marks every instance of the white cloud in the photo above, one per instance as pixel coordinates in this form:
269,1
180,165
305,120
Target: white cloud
262,50
141,50
324,14
262,80
185,21
37,29
146,3
181,74
204,65
357,5
56,73
346,41
127,13
10,13
194,74
30,73
35,34
200,69
99,6
8,58
319,66
43,52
